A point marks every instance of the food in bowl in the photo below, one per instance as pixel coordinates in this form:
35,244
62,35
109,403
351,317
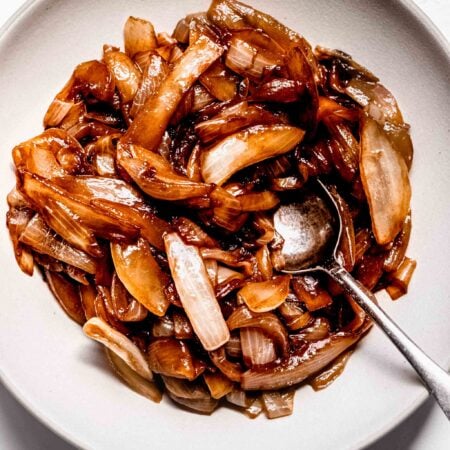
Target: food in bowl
147,204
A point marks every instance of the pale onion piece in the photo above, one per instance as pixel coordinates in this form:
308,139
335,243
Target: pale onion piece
67,295
125,73
118,343
248,147
331,372
139,384
225,274
202,98
242,317
152,78
139,272
233,346
384,176
42,240
252,405
204,406
184,388
196,292
297,367
152,120
139,36
211,269
257,348
278,404
267,295
218,384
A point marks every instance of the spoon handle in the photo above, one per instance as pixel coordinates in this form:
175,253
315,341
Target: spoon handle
436,380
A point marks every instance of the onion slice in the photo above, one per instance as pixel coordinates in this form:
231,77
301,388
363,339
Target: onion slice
196,292
278,404
267,295
248,147
152,120
141,275
257,348
385,180
100,331
139,384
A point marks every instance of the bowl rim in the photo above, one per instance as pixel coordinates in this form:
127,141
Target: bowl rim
408,7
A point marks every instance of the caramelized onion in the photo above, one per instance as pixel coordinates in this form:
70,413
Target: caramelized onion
196,292
139,36
257,348
278,404
386,183
218,384
100,331
246,148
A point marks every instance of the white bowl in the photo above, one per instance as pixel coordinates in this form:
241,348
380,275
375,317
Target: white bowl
62,377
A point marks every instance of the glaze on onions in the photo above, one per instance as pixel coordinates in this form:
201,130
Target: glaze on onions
147,204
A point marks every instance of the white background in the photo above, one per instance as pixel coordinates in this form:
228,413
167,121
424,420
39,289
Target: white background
426,429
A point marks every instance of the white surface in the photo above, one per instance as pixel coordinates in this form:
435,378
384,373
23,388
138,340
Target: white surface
425,429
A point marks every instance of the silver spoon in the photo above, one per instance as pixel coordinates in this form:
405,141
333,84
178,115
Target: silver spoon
311,229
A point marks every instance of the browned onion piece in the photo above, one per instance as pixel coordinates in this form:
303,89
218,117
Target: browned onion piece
196,292
252,405
400,278
151,121
258,201
100,331
139,384
386,183
278,404
264,263
317,330
125,73
267,295
233,119
309,291
331,372
242,317
300,364
246,148
88,293
139,272
396,254
41,239
219,82
193,234
139,36
163,327
124,307
171,357
155,176
294,315
67,295
230,369
257,348
218,384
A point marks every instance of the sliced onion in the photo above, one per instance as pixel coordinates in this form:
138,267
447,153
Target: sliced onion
211,269
163,327
264,263
154,74
181,326
401,278
56,112
193,234
139,36
300,364
252,405
100,331
124,307
267,295
220,82
233,346
229,258
141,275
267,322
258,201
232,370
88,293
139,384
156,178
308,290
151,122
278,404
202,98
41,239
279,90
246,148
196,292
67,295
385,180
233,119
171,357
294,315
331,372
219,385
257,348
125,73
397,253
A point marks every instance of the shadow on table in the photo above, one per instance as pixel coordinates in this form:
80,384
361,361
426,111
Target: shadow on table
402,436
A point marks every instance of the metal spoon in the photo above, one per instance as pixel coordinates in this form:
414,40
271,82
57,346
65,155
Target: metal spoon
311,227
